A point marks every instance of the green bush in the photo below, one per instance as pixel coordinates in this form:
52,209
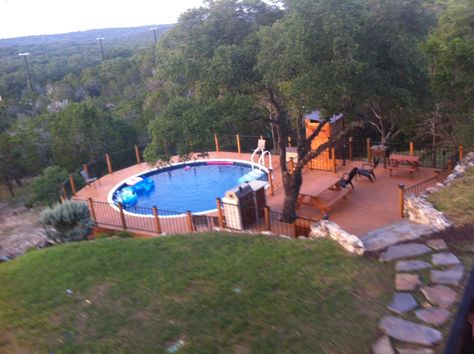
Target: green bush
45,187
70,221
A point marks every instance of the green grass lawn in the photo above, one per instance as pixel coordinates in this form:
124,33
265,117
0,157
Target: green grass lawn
218,293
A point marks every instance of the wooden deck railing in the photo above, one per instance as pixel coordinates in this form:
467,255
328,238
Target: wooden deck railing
415,190
154,221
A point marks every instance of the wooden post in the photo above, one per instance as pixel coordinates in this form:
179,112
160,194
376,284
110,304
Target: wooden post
401,195
450,165
92,210
333,153
122,216
109,163
437,172
63,189
351,149
461,152
369,152
137,154
157,220
270,181
238,143
412,149
291,165
85,168
73,185
289,141
216,141
219,213
189,221
268,226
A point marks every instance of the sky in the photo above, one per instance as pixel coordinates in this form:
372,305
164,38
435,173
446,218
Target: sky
20,18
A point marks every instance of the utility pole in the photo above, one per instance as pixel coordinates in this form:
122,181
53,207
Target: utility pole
154,33
101,47
24,55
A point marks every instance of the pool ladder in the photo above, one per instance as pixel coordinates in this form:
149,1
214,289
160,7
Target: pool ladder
261,160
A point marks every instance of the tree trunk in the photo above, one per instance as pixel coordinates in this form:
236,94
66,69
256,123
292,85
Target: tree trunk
292,184
10,187
18,181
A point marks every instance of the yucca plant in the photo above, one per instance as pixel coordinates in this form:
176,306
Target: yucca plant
69,221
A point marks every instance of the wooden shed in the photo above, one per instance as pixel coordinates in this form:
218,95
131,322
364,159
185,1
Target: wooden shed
326,160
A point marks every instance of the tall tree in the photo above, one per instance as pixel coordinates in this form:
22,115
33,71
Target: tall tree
308,60
451,52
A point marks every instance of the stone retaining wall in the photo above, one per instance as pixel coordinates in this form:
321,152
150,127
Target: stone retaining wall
326,228
418,209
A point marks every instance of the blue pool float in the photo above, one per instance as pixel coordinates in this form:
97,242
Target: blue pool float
251,176
145,186
127,196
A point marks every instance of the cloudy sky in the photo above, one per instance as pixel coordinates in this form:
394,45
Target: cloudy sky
35,17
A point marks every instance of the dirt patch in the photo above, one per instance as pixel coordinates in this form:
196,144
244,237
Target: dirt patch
19,229
9,345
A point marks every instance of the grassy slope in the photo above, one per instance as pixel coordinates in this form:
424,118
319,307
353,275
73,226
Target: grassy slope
457,201
295,296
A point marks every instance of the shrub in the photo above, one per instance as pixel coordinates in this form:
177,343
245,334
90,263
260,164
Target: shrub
45,187
70,221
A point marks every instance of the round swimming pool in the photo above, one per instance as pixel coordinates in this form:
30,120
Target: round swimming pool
192,186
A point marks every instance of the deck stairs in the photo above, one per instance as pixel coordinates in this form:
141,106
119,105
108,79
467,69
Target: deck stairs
392,234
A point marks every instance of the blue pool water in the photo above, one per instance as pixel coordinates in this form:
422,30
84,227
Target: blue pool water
194,188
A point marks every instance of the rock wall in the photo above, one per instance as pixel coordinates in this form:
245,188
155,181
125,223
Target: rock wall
419,210
326,228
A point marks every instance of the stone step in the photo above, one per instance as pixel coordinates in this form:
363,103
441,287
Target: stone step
405,250
401,231
407,331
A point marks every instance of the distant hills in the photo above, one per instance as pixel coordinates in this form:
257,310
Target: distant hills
52,57
136,35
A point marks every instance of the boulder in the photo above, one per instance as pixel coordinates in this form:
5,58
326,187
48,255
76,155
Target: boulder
329,229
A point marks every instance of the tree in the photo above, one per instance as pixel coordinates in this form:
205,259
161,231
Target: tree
393,79
206,77
83,132
308,60
450,48
45,188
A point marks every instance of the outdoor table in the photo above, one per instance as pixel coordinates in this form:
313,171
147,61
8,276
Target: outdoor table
404,162
409,160
312,193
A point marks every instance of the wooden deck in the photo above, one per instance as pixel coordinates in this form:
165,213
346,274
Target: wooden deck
370,206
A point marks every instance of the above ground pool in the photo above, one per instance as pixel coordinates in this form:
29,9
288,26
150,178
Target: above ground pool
178,188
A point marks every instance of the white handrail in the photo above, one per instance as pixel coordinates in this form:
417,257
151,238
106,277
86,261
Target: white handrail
261,161
253,155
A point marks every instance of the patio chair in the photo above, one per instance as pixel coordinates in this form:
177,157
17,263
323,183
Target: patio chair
344,181
367,170
89,180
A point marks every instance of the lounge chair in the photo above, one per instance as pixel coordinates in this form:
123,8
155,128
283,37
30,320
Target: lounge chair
367,170
89,180
344,181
